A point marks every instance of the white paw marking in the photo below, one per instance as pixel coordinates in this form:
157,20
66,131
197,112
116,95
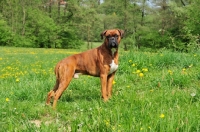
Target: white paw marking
113,67
76,75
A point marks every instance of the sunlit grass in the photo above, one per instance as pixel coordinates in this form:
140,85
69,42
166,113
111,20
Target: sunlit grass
151,92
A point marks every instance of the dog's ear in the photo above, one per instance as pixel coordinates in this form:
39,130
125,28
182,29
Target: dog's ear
103,34
121,33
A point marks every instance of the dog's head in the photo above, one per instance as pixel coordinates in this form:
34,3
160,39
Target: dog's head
112,37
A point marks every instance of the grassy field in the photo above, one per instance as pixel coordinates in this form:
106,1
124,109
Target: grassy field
152,92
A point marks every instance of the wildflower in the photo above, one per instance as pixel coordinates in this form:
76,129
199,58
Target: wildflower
133,64
130,61
141,128
17,80
170,72
113,128
7,99
113,82
128,86
195,55
32,53
145,69
193,94
184,71
138,71
190,65
141,74
107,122
162,116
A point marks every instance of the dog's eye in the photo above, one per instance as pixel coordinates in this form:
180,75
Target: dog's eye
116,36
108,36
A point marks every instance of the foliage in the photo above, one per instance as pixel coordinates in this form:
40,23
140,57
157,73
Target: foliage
5,33
69,39
152,91
152,24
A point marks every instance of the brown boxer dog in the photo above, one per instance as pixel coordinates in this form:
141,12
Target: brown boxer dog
100,62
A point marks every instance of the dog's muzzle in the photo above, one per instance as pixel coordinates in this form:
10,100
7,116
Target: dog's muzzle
112,42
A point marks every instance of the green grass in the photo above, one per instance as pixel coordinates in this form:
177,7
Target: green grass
165,98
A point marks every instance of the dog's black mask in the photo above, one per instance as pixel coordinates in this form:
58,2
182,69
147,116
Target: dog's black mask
112,42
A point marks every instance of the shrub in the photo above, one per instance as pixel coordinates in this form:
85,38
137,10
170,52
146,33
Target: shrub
5,34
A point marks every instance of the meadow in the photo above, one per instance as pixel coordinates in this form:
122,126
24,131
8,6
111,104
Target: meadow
152,92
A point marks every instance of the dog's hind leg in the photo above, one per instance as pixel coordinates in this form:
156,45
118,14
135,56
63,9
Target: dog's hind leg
64,80
52,92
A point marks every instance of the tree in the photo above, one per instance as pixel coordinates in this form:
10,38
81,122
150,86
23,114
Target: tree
5,33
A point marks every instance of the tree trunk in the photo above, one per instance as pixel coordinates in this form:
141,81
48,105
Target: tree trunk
59,11
50,8
182,2
125,21
88,37
24,21
143,9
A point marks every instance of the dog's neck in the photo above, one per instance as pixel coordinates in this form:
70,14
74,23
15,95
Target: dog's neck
113,50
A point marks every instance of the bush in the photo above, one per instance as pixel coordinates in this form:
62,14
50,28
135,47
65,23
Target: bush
5,34
128,43
69,39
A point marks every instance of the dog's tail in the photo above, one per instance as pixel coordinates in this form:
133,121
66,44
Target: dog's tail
56,71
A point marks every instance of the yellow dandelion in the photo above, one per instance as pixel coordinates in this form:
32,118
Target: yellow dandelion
128,86
113,82
145,69
162,116
151,90
7,99
138,71
17,80
133,65
107,122
32,53
170,72
141,74
184,71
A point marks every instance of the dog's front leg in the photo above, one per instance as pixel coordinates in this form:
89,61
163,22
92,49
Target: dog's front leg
110,79
103,78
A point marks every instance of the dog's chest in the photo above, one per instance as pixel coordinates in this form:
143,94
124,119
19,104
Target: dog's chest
113,67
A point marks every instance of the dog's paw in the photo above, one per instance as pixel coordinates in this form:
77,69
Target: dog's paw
76,75
47,104
105,99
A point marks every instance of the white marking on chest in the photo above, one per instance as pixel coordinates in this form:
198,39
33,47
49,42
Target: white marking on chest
113,67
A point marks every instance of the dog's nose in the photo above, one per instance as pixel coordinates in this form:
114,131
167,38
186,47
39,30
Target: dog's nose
114,44
112,38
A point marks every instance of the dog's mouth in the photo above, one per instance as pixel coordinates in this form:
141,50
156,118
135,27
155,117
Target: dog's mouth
112,42
113,45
